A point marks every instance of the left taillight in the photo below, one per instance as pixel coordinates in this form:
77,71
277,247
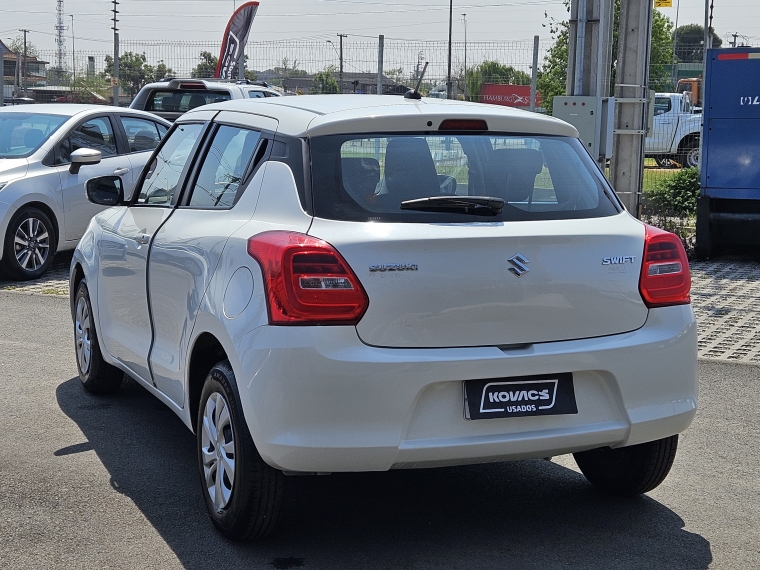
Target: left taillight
665,277
307,281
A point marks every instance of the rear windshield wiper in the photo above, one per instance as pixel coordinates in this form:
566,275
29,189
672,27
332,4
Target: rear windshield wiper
477,205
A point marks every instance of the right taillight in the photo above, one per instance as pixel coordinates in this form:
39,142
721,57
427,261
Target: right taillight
307,281
665,277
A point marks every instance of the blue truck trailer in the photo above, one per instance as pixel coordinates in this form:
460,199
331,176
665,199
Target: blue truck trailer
728,208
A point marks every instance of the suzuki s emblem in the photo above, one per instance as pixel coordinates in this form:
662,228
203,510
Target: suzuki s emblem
518,262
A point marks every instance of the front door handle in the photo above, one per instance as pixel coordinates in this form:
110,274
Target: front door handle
142,239
120,171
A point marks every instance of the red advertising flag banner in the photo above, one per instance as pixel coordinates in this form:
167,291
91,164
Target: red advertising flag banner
508,95
235,38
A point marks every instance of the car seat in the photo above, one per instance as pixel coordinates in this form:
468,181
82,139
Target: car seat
143,140
409,169
360,177
512,173
33,138
196,101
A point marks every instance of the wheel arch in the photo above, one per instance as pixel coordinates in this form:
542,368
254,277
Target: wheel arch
206,352
77,276
687,140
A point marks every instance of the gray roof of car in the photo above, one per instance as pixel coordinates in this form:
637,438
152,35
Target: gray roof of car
73,109
333,114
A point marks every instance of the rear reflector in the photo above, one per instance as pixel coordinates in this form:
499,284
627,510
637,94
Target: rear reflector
307,282
665,277
463,125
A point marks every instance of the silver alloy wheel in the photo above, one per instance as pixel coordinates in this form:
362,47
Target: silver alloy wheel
692,158
31,244
218,450
83,335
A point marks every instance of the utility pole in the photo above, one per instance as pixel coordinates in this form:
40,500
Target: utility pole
381,45
448,75
115,75
632,92
534,75
73,54
340,76
464,22
23,68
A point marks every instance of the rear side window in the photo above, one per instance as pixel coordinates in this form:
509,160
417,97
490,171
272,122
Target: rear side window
223,167
662,105
256,94
183,101
366,178
142,134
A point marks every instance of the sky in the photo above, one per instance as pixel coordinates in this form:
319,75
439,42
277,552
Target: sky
487,20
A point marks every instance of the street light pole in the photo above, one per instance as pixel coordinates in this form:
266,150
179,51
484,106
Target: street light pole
448,76
341,36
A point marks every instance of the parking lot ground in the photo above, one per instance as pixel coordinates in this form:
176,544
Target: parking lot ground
94,482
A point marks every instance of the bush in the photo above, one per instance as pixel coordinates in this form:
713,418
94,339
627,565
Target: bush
677,195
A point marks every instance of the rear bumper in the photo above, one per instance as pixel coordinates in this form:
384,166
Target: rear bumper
317,399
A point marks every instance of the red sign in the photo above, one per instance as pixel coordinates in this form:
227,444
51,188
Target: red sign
508,95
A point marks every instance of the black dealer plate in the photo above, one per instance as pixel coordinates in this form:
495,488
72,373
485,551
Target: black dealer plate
545,395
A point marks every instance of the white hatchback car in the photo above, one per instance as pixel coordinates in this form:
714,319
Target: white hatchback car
47,153
361,283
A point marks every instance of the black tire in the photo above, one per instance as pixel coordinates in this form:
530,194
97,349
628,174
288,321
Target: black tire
252,506
30,261
97,376
688,155
628,471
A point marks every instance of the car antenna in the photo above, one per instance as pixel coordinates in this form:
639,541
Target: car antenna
415,94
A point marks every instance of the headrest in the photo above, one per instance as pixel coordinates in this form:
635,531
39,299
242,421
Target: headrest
33,138
196,101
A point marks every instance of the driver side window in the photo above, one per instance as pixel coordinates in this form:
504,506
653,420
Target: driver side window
95,134
166,168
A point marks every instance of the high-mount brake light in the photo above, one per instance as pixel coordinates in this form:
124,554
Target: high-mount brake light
463,125
192,86
665,277
307,281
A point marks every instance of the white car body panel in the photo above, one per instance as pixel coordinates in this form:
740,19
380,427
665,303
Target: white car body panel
670,128
322,398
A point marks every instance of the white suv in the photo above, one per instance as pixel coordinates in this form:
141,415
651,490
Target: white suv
361,283
171,98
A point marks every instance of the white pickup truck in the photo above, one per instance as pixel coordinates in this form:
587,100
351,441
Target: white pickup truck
674,140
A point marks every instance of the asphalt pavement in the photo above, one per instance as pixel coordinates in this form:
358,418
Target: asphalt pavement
111,482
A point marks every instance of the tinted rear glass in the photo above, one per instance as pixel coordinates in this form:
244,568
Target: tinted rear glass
182,101
366,178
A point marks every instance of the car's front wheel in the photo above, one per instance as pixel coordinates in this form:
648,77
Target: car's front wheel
628,471
30,244
97,376
242,493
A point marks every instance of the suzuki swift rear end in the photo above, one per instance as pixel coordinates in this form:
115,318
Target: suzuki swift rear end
437,284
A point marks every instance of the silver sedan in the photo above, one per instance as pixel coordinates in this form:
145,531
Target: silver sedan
47,153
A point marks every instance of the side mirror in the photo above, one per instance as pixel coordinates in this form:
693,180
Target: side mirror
83,156
105,191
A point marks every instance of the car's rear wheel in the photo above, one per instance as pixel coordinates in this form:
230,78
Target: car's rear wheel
242,493
689,155
30,245
97,376
628,471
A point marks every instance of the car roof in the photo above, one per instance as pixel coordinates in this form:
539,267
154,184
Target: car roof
74,109
337,114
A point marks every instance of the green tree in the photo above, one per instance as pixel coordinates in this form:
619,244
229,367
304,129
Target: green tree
17,46
206,66
689,43
134,71
493,72
552,77
325,82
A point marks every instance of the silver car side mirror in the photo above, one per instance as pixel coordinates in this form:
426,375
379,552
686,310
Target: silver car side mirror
83,156
105,191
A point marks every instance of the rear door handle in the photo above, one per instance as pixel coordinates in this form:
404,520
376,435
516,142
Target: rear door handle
120,171
142,239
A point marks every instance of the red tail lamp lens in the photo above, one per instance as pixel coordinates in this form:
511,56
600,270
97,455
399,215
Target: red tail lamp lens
665,277
307,281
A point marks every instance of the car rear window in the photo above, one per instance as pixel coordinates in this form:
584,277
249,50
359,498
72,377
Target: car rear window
177,101
366,178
